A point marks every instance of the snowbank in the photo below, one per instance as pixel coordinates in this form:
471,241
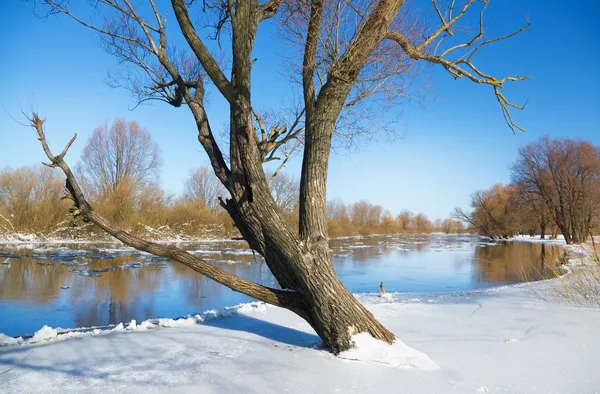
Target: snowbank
48,334
497,340
366,348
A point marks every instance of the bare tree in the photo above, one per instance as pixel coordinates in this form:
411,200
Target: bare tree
336,209
495,213
30,199
404,218
535,215
204,187
382,35
565,175
285,190
450,226
118,166
123,154
421,223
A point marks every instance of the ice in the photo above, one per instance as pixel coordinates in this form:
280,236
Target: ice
224,261
240,252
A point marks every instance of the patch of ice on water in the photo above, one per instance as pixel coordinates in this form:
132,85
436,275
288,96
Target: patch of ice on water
368,349
222,261
76,264
124,251
93,273
204,251
133,264
248,252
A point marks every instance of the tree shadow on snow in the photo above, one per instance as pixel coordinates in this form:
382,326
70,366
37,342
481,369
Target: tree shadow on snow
265,329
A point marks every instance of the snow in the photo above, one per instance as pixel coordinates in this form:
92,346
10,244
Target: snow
495,340
44,334
5,340
366,348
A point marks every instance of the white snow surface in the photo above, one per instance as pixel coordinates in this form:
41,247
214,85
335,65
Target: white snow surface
368,349
501,340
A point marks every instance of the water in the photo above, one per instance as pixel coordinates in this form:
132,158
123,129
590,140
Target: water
85,285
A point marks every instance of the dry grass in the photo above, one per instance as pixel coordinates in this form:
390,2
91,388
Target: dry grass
577,277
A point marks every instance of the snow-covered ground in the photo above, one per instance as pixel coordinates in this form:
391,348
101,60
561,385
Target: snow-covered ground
501,340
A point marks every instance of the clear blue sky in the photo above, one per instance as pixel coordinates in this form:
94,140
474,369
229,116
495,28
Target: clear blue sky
450,145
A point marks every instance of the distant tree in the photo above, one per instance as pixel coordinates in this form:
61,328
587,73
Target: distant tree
495,212
388,221
421,223
30,199
359,213
285,190
336,209
351,56
203,186
564,174
534,212
117,165
404,218
451,226
123,154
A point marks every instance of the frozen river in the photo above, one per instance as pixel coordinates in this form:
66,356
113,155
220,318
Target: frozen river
86,285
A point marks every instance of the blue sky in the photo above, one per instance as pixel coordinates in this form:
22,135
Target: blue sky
452,143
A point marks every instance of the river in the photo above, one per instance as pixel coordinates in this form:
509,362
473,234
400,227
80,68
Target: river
98,284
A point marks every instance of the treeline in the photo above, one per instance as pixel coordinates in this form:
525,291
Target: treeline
363,218
31,201
555,189
119,171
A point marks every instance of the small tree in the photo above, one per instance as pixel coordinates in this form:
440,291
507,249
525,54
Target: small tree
495,213
285,190
351,52
30,199
203,187
421,223
118,166
404,218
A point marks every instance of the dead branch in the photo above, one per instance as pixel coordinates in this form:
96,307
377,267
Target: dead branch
462,65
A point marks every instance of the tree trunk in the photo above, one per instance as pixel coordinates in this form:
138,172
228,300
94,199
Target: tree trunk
335,314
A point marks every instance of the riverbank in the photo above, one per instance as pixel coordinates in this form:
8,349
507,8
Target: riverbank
502,339
496,340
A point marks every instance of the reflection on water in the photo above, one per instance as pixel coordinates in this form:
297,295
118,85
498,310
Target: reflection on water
94,285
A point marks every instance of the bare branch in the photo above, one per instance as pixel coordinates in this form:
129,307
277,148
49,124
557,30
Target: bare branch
268,9
208,62
60,9
464,66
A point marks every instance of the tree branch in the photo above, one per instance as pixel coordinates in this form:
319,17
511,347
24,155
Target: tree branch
206,59
464,66
268,9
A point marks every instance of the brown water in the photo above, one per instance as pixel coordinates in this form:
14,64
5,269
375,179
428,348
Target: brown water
84,285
